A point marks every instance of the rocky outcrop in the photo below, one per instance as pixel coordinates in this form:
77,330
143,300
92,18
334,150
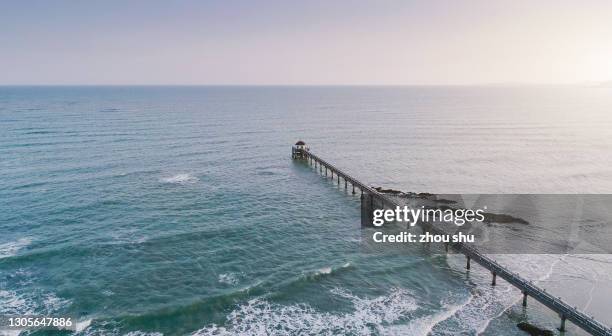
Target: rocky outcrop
488,217
534,330
496,218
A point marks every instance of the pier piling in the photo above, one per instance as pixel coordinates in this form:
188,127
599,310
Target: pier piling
367,210
562,326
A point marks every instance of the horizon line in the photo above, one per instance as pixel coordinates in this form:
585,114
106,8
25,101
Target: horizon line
308,85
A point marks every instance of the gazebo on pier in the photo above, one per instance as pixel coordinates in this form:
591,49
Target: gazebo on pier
297,151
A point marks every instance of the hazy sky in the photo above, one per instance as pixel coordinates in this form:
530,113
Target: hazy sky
305,42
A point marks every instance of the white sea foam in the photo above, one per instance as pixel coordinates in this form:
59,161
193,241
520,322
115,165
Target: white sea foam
370,316
228,278
142,333
11,248
10,332
12,302
52,303
108,292
82,325
425,325
324,270
28,303
182,178
330,270
108,330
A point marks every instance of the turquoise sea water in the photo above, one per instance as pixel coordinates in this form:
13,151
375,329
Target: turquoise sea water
178,210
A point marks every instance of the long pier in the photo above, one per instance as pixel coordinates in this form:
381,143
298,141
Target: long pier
372,199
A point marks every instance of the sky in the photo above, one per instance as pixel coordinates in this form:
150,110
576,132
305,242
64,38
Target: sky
356,42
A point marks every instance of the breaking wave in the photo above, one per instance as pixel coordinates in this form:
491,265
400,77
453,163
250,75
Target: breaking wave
14,303
180,179
369,317
11,248
229,278
327,271
487,303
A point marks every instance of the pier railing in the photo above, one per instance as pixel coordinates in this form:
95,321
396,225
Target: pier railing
369,194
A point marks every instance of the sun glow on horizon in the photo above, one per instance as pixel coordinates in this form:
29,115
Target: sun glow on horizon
359,42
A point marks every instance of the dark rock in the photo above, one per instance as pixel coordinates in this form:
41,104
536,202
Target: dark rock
388,191
533,330
495,218
444,201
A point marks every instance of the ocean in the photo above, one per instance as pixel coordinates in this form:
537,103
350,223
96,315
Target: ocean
179,211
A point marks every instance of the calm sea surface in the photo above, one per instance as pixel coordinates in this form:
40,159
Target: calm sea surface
178,210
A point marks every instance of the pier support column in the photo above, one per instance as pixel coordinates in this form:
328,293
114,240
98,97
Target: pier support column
562,327
338,179
326,171
424,227
524,299
367,210
345,184
446,247
353,189
467,266
493,282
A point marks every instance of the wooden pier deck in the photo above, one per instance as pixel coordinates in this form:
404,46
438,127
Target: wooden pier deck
370,195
